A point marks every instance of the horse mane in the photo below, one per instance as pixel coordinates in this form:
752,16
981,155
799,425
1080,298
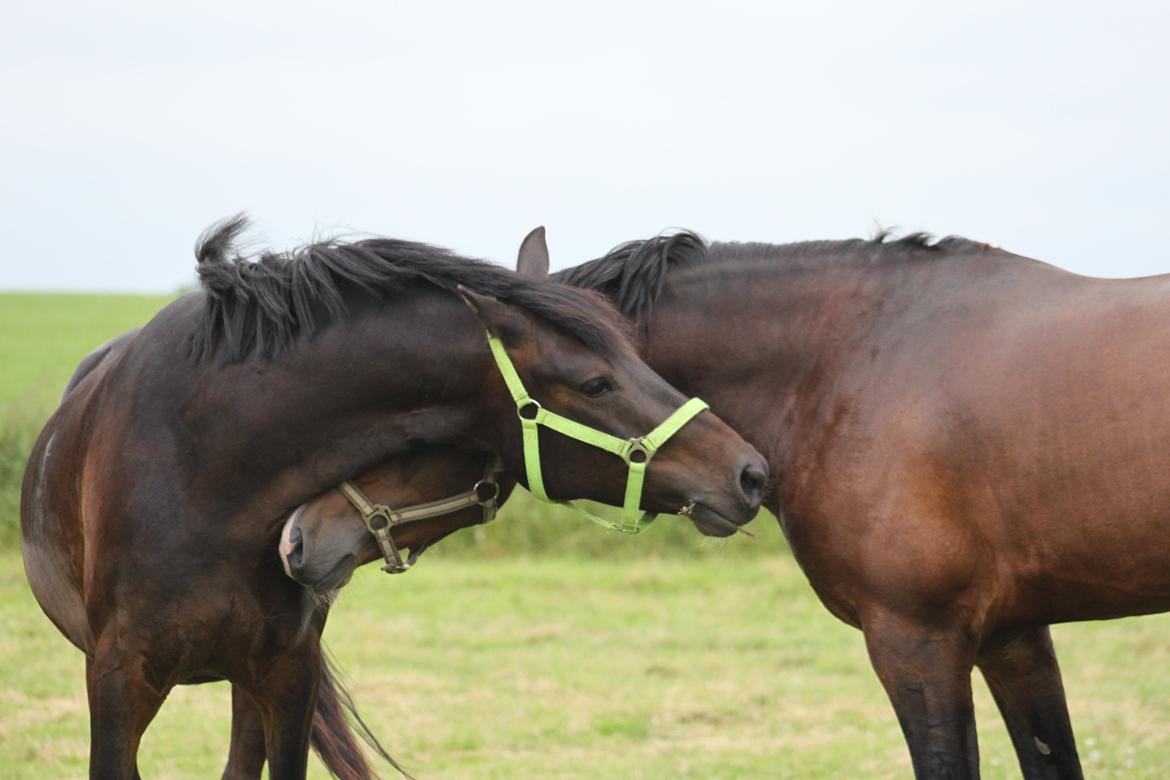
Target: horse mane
259,305
633,274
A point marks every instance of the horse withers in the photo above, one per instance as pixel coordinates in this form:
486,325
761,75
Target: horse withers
154,498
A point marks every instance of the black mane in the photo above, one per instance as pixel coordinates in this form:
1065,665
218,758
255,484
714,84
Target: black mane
632,274
260,305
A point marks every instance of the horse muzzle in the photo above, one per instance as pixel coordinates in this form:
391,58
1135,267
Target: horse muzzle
308,567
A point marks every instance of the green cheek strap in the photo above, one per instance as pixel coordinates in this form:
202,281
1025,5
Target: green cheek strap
635,452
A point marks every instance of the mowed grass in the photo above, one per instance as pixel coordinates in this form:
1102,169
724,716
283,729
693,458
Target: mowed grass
575,668
542,646
43,337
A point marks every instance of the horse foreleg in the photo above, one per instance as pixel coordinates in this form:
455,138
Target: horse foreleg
287,697
122,702
927,674
247,752
1024,678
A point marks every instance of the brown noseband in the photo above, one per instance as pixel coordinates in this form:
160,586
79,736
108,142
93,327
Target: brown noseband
380,519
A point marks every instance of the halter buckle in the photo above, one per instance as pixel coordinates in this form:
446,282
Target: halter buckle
379,520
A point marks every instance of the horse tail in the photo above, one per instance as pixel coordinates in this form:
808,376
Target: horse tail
335,722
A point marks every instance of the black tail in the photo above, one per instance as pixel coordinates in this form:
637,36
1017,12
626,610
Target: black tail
334,724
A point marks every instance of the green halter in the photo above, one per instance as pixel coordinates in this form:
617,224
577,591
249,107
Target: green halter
635,452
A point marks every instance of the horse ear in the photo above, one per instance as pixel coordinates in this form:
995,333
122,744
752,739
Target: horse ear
499,318
532,259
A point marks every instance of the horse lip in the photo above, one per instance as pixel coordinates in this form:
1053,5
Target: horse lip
336,577
710,522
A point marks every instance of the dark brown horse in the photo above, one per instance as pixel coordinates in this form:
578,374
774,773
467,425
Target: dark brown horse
328,523
154,498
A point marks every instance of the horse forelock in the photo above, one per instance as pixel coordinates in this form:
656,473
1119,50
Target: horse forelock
259,305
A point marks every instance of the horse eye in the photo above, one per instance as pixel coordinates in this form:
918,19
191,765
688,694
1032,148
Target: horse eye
597,386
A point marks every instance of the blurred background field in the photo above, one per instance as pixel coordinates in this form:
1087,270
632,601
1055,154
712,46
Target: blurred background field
542,646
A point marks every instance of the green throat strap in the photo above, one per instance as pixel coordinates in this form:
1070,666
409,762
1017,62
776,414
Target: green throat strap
635,452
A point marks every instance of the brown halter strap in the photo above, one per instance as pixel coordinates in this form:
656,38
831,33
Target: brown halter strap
380,519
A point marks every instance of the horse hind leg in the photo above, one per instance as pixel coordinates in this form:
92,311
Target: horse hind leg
122,703
926,672
1025,682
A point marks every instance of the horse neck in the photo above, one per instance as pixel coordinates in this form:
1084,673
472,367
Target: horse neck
760,341
386,379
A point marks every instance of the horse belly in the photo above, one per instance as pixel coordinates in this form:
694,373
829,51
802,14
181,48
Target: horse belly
1089,534
1095,568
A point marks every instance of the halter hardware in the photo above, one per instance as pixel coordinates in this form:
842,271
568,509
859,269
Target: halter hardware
380,519
636,452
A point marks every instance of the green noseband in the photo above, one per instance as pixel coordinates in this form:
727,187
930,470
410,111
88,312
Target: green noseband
635,452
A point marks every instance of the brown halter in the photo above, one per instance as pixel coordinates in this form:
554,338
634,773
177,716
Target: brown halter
380,519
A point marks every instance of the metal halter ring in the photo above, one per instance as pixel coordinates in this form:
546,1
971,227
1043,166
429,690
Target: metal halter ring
486,491
637,453
379,513
529,404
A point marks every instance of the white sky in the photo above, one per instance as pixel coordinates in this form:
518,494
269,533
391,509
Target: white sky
127,127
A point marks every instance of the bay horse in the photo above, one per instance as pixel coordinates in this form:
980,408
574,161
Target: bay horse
154,497
967,446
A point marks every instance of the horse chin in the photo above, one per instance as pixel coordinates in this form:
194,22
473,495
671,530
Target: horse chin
711,523
337,577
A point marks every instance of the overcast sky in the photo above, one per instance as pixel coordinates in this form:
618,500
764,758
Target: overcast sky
126,128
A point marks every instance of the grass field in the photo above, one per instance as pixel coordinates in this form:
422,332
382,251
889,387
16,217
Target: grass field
543,647
42,338
585,668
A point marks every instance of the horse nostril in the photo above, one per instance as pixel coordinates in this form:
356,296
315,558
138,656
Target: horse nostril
296,555
752,480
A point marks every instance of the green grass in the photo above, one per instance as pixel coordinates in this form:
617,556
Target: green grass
42,339
44,336
574,668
